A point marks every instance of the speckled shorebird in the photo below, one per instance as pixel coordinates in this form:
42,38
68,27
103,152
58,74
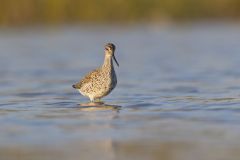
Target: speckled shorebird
101,81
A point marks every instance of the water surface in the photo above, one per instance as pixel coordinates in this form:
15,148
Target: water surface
178,88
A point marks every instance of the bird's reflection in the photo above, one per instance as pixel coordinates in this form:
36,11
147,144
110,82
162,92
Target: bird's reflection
98,106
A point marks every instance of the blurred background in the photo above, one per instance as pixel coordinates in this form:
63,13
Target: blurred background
33,12
178,90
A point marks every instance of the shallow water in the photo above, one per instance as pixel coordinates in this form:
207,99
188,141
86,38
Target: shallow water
178,93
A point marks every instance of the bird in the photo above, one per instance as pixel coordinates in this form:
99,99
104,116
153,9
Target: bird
101,81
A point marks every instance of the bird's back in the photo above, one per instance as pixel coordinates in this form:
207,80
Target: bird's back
89,78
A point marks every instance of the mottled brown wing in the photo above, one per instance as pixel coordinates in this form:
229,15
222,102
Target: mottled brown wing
88,78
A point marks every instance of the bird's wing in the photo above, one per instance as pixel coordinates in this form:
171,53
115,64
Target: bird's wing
88,78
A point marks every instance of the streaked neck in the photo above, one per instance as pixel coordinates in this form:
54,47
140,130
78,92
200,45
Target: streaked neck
107,62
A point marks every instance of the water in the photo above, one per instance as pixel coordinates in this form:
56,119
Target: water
178,88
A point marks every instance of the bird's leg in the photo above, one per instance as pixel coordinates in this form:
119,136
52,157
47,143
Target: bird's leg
91,99
95,101
99,101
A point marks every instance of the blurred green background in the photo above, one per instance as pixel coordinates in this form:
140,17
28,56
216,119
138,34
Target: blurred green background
31,12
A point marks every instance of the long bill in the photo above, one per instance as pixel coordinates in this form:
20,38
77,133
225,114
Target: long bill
115,60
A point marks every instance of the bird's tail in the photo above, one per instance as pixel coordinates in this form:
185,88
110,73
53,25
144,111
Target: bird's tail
74,86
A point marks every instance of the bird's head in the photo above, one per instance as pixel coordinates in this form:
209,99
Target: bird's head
110,50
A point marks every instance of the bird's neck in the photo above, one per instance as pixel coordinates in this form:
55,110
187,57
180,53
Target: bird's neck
108,63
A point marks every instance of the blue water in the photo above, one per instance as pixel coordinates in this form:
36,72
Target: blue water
178,93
